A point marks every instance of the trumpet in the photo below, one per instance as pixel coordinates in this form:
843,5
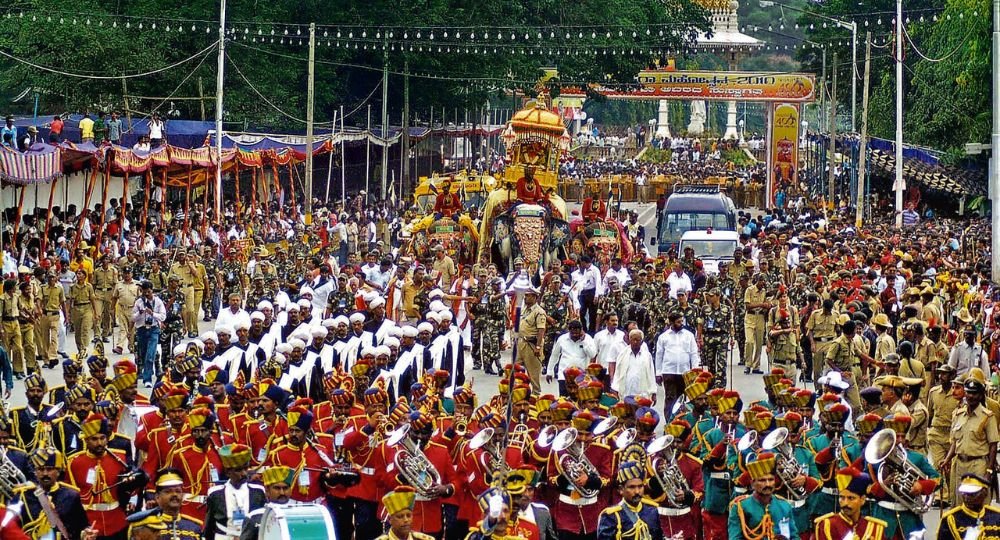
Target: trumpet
460,424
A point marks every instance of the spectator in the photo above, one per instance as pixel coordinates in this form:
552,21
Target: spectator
55,130
100,128
8,134
86,129
157,131
115,129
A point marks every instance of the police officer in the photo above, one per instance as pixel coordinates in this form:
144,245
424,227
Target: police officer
10,328
821,327
785,350
125,294
755,300
105,280
842,356
974,435
715,333
531,331
83,312
942,400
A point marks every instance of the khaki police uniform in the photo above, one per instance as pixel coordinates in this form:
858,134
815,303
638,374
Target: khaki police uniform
754,325
532,324
9,314
971,432
125,295
52,299
941,406
200,288
822,327
187,280
82,313
841,357
104,281
27,313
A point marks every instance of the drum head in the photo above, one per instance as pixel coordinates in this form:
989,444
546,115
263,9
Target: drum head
300,522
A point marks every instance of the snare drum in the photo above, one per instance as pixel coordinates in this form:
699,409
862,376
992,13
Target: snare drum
301,522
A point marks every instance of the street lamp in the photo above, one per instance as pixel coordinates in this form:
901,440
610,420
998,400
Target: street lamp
847,25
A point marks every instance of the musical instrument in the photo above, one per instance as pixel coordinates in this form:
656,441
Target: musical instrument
485,440
301,521
628,447
897,474
748,441
787,468
413,465
460,424
546,436
663,460
11,477
572,462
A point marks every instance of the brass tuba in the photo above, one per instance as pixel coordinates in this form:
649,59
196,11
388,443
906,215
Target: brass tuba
417,470
486,440
572,462
896,473
663,461
787,468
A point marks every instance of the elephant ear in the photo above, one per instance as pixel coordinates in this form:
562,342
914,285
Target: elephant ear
503,227
559,233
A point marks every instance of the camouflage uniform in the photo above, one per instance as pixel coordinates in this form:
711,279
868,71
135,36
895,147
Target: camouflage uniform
421,301
256,295
613,302
739,317
477,313
659,310
493,325
716,334
173,326
232,278
690,312
556,305
340,302
159,280
208,302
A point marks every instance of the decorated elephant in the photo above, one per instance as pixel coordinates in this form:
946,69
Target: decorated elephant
603,238
530,232
460,238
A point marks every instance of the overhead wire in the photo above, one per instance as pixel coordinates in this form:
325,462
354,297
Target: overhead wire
107,77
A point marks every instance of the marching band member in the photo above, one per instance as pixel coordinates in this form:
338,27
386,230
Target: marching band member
974,518
269,423
228,505
808,482
761,514
849,522
398,506
162,439
721,465
900,518
197,461
24,419
50,465
577,508
170,495
634,518
278,486
834,449
676,483
361,444
309,461
534,521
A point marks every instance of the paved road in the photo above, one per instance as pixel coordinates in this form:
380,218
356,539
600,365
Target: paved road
750,387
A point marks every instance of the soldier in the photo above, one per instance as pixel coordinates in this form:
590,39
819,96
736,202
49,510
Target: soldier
531,334
105,280
232,275
740,313
556,305
51,302
612,302
849,521
494,325
173,326
690,313
27,308
185,271
82,311
123,299
761,514
974,518
10,329
64,499
634,518
757,305
974,436
715,334
784,350
157,276
399,509
213,286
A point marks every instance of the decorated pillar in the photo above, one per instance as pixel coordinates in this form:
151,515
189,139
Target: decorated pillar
663,120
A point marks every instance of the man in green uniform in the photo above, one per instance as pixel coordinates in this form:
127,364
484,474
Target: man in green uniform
715,334
494,324
760,514
556,305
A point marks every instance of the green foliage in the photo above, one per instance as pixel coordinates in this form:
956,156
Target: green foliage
738,157
278,70
656,155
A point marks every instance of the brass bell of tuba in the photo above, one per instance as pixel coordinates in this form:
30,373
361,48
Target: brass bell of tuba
787,468
896,473
417,470
663,461
572,462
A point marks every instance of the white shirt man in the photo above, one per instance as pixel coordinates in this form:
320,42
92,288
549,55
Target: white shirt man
620,273
676,350
634,368
610,342
678,281
585,279
965,356
792,259
572,349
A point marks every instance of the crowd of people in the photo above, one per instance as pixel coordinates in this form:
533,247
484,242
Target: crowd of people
335,367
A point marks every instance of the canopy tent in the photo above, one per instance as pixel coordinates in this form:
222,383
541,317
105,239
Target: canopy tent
942,178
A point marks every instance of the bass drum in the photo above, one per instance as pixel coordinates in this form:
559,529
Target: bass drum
301,522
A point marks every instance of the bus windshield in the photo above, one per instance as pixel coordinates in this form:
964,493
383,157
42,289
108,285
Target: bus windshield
675,225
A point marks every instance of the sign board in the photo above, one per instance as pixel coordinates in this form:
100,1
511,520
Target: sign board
783,152
727,86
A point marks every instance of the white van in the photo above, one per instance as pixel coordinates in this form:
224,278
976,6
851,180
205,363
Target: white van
711,246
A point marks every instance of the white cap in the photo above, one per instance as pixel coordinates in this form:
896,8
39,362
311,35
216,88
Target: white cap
319,332
378,301
437,305
382,350
306,290
329,323
305,304
225,329
180,349
391,342
292,306
257,316
242,324
446,315
283,348
357,317
342,319
433,316
368,351
436,293
395,331
209,336
264,304
296,343
425,327
409,331
279,357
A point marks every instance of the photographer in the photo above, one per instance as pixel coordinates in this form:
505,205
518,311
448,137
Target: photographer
148,315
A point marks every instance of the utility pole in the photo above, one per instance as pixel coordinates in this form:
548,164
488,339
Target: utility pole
405,153
898,185
220,77
994,184
307,197
385,120
863,142
822,94
201,98
832,153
